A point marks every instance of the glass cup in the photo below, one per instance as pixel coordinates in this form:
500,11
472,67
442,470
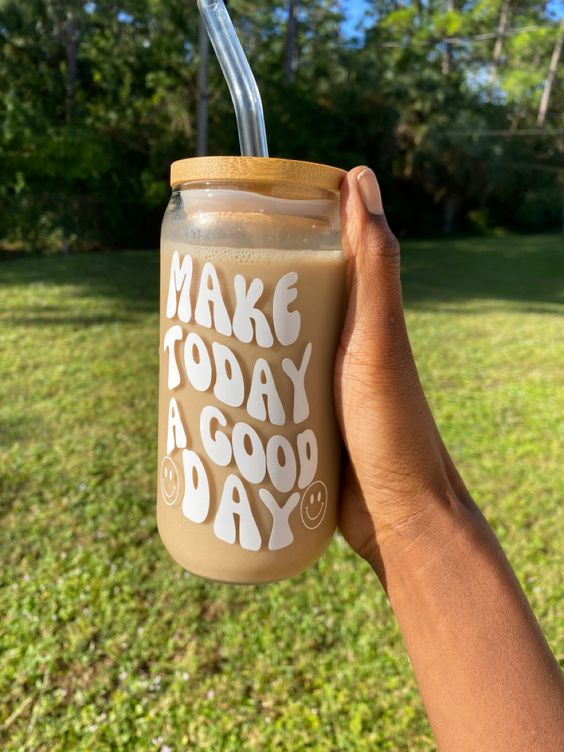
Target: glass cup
252,302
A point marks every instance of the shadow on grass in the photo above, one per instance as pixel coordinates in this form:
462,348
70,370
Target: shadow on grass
82,322
132,277
528,270
524,269
15,431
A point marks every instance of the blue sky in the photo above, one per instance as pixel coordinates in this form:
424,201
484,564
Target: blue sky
355,10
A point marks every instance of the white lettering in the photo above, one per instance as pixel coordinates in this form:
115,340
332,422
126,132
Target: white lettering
281,534
297,377
308,457
246,312
180,280
176,435
286,323
224,523
196,501
218,447
209,294
229,386
282,473
197,362
251,463
171,337
264,399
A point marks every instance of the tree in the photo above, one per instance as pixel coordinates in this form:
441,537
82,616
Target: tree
503,18
545,99
290,60
447,56
99,98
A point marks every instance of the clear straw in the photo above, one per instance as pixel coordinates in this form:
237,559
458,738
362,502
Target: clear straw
239,77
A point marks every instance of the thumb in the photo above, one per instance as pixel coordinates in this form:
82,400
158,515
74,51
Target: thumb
374,326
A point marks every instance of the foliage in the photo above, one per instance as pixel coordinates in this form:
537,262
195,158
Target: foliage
99,97
106,644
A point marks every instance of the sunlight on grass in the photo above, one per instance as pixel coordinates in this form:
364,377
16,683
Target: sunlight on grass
106,644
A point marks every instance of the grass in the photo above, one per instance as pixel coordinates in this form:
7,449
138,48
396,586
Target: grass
105,644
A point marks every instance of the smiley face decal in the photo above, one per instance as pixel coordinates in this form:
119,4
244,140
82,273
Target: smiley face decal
314,505
170,482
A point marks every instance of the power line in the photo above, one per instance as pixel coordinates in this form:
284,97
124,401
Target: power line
538,167
511,133
462,40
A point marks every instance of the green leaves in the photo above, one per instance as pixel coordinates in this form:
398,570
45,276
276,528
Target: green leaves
85,150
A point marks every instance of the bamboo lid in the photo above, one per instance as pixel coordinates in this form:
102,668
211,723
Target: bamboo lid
257,169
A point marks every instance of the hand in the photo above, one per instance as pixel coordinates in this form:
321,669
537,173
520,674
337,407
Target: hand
486,674
397,462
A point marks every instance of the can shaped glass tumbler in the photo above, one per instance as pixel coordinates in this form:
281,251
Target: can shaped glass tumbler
252,302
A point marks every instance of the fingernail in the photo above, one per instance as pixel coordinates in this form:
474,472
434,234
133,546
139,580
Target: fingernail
370,191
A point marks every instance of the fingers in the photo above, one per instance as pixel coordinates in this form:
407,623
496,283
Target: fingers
362,217
375,323
392,441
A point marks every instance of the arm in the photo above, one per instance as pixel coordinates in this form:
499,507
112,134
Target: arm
487,677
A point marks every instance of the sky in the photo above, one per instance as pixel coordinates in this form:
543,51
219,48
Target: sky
355,9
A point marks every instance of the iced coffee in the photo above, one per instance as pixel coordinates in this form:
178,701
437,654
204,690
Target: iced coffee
252,301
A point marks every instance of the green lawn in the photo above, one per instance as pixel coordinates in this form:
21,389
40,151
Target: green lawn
105,644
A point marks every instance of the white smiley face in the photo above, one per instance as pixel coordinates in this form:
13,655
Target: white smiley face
170,482
314,505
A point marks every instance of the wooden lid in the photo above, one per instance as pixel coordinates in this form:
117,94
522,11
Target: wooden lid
257,169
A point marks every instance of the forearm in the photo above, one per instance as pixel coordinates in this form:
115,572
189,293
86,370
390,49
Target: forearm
486,674
487,677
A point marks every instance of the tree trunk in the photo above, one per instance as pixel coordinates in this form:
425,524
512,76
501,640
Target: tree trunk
545,99
202,127
71,50
449,212
66,32
560,148
447,55
290,46
504,15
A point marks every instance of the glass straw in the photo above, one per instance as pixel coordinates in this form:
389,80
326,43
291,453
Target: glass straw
239,77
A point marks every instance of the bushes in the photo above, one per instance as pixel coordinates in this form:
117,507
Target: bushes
99,102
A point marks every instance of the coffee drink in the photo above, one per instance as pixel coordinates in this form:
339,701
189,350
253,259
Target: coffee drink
249,450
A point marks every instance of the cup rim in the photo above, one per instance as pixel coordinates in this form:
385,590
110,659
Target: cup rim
257,169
